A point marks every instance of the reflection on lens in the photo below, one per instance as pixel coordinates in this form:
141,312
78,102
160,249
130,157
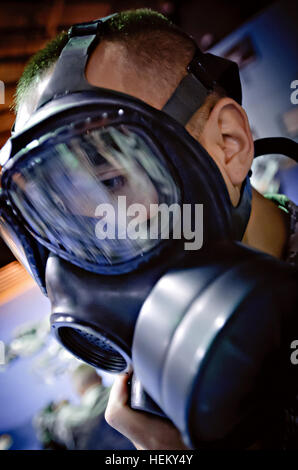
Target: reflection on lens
72,193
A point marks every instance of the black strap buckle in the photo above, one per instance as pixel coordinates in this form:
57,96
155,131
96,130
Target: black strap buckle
88,28
84,29
197,68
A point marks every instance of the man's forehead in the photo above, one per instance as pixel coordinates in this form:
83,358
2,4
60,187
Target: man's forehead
108,67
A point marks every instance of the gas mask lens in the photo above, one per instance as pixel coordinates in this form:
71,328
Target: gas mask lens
95,195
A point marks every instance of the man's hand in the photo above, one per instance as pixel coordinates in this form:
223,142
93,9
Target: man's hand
145,430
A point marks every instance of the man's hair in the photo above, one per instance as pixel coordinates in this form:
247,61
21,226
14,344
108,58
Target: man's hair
155,47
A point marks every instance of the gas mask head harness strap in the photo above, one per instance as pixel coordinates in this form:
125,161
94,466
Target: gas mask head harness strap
205,72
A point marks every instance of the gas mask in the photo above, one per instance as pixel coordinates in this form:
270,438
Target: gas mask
125,222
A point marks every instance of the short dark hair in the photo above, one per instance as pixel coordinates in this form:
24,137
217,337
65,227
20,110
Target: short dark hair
152,41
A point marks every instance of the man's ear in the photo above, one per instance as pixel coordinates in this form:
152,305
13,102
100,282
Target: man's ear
227,138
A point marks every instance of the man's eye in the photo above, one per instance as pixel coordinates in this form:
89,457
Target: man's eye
114,183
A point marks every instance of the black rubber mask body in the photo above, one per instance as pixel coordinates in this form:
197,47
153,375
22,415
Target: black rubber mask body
94,315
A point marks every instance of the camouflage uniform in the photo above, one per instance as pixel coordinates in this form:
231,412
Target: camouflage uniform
290,434
291,255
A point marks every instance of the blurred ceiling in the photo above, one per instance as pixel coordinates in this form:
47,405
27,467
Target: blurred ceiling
25,26
14,280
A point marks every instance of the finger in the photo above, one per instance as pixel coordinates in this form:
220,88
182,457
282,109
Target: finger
118,412
160,434
119,394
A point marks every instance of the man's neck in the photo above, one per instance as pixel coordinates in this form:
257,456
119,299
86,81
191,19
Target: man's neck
268,227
